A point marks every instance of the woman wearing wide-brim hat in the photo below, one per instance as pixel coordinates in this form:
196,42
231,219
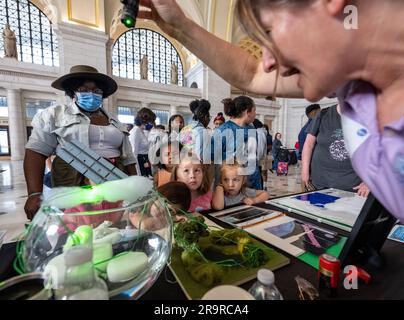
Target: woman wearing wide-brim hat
83,119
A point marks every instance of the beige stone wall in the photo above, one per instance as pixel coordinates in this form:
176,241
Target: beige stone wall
81,43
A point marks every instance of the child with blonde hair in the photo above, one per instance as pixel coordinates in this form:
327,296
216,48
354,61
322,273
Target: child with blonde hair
196,176
233,188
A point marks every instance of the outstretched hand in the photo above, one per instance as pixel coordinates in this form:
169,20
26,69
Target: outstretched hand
166,13
362,190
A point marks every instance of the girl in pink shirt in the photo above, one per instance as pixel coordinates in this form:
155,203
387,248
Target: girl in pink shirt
196,176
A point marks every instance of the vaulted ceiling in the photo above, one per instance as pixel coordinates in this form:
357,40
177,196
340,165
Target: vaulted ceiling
217,16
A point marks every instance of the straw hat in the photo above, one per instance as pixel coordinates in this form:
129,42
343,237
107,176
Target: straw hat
86,73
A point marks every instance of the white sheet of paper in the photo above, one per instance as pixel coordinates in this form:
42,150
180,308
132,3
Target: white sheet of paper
341,213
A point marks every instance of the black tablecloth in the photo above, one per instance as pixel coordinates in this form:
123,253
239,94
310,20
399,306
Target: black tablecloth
387,283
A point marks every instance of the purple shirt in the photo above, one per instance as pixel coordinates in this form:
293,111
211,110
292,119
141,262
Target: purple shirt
377,157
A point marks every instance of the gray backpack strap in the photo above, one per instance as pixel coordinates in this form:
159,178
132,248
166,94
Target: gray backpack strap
89,163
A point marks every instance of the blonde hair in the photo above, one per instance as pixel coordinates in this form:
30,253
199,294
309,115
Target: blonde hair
233,166
206,179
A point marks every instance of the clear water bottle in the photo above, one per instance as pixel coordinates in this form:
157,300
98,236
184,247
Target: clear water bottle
264,288
81,281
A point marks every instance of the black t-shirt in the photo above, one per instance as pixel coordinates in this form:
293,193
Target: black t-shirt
330,164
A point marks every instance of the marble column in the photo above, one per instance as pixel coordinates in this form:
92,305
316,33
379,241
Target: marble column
16,124
281,118
145,105
215,89
284,117
173,110
261,118
61,98
110,104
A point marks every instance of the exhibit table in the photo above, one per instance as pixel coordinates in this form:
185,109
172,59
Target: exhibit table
387,282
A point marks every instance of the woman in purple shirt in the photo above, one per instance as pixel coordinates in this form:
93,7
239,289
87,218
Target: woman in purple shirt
312,48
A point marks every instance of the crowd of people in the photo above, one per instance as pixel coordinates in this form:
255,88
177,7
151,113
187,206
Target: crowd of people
191,154
222,166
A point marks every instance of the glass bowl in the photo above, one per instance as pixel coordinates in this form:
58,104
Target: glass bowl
2,235
29,286
126,223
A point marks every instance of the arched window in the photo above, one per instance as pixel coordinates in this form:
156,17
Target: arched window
133,45
36,40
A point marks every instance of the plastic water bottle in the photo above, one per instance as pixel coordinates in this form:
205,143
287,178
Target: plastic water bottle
81,281
264,288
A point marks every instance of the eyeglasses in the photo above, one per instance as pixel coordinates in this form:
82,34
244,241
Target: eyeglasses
85,89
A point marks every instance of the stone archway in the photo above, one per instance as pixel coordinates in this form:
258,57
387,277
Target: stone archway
50,8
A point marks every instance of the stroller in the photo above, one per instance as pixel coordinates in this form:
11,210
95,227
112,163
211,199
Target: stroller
292,157
283,162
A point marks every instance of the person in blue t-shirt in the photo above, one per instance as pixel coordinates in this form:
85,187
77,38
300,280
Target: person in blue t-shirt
241,111
311,112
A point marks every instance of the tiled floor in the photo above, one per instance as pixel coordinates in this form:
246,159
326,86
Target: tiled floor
283,185
13,194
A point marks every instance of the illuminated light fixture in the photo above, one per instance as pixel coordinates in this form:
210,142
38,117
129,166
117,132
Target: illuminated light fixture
129,12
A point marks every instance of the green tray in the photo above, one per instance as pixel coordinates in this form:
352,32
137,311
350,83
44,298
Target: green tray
234,276
335,251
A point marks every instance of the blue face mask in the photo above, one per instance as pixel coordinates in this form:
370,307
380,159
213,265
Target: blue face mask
89,101
149,126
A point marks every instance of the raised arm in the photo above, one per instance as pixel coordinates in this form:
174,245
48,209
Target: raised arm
230,62
218,198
